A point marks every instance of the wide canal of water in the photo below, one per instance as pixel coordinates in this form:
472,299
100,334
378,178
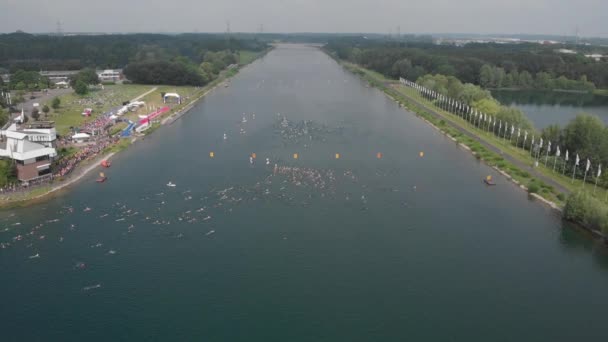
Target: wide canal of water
380,244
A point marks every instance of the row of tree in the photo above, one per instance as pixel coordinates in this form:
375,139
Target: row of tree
497,77
45,52
414,59
475,97
164,72
180,70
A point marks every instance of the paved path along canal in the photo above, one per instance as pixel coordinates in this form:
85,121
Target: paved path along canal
318,248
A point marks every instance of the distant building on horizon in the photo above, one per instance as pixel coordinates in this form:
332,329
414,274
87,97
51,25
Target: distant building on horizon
110,75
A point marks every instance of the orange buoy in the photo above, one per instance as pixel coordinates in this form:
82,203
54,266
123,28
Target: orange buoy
337,155
211,154
295,156
253,155
379,155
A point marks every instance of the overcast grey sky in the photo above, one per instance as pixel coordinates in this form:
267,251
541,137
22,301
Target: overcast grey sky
420,16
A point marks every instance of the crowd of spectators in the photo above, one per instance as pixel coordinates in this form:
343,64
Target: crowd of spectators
65,167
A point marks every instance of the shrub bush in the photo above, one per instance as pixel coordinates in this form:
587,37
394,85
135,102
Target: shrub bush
533,187
587,210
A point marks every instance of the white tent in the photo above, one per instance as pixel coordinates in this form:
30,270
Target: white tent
81,137
175,95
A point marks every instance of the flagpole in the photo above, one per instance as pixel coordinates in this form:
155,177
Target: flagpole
573,171
584,179
599,173
595,187
554,162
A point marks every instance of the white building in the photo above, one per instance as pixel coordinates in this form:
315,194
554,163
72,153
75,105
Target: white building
595,56
110,75
32,147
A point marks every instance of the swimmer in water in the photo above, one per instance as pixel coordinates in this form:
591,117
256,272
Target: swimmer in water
92,287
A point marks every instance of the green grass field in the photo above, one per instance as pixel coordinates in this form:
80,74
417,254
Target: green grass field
72,105
246,56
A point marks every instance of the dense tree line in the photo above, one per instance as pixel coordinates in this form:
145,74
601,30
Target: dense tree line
44,52
475,97
497,77
155,69
413,59
163,72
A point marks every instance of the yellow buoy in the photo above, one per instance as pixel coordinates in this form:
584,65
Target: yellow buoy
211,154
379,155
337,155
489,177
295,156
421,154
253,155
101,175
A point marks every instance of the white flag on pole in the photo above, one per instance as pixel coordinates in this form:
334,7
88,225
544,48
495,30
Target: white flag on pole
541,143
549,147
577,160
518,132
588,165
512,129
567,155
558,153
599,171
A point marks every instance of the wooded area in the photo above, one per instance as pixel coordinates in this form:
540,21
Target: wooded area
529,65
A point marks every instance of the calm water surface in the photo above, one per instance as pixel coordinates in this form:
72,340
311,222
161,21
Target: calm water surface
545,108
320,249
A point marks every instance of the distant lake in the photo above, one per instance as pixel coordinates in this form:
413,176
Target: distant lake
548,107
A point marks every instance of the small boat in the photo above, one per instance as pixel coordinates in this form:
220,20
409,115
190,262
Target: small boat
102,178
170,184
488,180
